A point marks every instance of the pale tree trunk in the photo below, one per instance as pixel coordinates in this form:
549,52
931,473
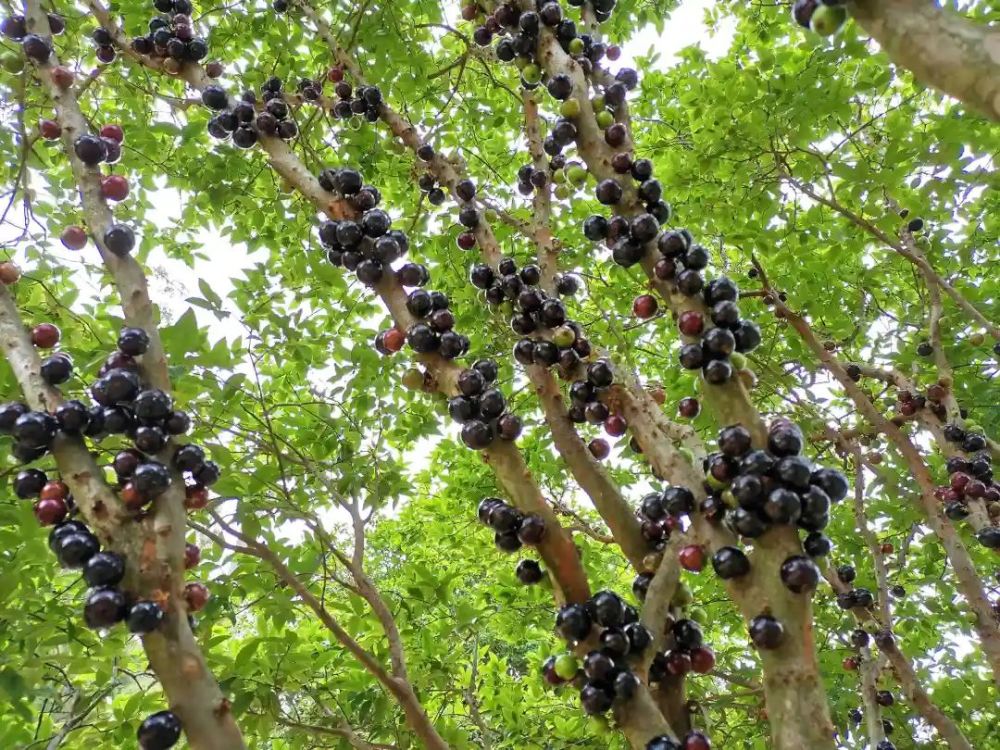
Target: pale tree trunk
941,48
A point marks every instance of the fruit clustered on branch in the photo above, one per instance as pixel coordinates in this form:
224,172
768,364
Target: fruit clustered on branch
369,247
241,120
123,405
171,37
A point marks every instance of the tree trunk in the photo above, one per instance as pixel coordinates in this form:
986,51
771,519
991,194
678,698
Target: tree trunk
941,48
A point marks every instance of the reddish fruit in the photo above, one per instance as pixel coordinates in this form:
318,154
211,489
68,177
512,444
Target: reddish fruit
696,741
195,497
54,491
958,480
975,488
672,523
466,240
214,69
937,392
469,12
688,407
114,187
394,339
335,74
62,76
644,306
45,335
615,425
850,664
131,497
613,52
691,323
692,557
908,408
114,132
887,548
599,448
50,130
74,237
50,511
192,556
702,660
9,273
196,595
678,663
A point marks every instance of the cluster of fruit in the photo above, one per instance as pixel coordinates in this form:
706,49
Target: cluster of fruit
311,90
242,122
148,418
518,31
970,478
529,179
605,677
171,37
857,596
365,102
753,489
482,410
35,46
823,17
512,529
428,184
368,247
933,399
684,652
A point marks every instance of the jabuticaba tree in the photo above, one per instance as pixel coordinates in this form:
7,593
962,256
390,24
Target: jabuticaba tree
544,395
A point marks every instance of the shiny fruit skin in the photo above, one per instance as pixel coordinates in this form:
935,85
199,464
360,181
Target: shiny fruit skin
114,187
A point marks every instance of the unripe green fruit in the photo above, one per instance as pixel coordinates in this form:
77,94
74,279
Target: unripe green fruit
977,339
570,108
605,119
714,483
738,359
531,73
576,46
698,615
491,215
729,499
562,192
559,177
682,596
972,427
566,666
563,337
598,103
521,62
577,175
12,62
827,19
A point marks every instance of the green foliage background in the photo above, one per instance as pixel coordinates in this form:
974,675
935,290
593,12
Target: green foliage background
287,342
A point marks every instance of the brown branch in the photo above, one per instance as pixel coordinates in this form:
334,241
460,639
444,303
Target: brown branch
540,228
940,47
400,689
968,581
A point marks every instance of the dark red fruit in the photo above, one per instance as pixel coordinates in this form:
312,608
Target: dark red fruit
74,237
192,556
644,306
688,407
196,595
702,660
50,511
615,425
691,323
50,130
114,187
599,448
45,335
692,557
